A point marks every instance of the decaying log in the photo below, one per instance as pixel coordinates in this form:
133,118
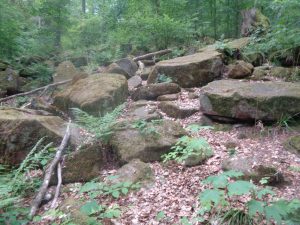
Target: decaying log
35,90
150,55
59,182
43,189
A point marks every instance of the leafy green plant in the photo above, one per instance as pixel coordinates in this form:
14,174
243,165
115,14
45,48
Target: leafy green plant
162,78
295,168
187,146
225,189
15,184
95,189
147,128
101,127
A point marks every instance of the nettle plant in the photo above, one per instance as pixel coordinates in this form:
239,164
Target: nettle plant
95,189
225,191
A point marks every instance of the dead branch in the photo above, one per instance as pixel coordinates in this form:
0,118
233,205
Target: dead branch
59,181
34,91
150,55
43,189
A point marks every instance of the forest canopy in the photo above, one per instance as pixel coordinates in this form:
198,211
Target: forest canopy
106,30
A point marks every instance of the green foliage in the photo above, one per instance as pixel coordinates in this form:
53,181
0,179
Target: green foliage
194,128
15,184
101,127
295,168
147,128
162,78
223,192
187,146
96,189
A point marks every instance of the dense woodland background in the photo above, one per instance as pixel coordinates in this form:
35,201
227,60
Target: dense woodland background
106,30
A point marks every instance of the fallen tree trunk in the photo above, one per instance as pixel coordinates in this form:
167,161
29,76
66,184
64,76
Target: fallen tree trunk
34,91
150,55
39,197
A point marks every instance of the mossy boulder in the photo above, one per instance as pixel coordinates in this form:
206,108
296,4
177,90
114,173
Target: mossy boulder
173,110
190,71
20,130
253,169
147,143
240,69
96,94
126,67
268,101
152,91
134,171
66,71
293,144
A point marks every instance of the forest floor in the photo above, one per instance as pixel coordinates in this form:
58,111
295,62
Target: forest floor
176,188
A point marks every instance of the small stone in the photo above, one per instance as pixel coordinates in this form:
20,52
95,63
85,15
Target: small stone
173,110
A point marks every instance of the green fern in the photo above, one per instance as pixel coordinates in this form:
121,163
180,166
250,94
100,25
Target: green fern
101,127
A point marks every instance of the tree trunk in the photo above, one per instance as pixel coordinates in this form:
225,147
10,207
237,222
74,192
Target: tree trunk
83,2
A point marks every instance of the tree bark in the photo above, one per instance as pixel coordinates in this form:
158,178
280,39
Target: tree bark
83,3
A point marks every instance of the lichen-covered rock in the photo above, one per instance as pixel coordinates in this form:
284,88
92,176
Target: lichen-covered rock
253,169
142,110
10,82
96,94
190,71
126,67
293,144
267,101
65,71
175,111
146,143
134,82
20,130
134,171
152,91
240,69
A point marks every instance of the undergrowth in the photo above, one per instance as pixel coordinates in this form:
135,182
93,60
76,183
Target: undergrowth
100,126
18,183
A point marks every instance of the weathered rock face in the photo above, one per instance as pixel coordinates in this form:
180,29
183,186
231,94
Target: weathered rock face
146,72
135,171
171,97
152,91
21,130
143,110
126,67
65,71
147,144
293,144
267,101
190,71
175,111
240,69
10,82
134,82
97,94
252,169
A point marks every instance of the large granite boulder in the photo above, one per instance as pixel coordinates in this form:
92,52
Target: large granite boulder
147,142
96,94
268,101
21,129
152,91
190,71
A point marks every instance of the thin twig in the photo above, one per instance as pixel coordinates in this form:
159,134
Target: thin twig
39,197
34,91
